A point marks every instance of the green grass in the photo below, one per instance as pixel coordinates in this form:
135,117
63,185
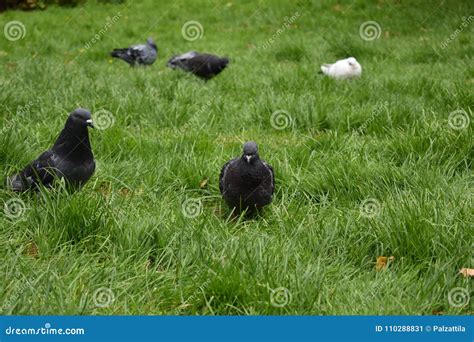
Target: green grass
384,137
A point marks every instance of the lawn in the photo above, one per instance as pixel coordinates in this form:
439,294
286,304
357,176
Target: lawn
379,166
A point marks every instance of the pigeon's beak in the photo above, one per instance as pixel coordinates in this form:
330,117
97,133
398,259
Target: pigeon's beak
248,157
90,123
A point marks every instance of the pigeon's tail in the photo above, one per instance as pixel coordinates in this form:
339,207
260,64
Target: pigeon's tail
324,69
122,54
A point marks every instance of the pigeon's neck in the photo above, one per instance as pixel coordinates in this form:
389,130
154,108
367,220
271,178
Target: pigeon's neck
252,169
73,143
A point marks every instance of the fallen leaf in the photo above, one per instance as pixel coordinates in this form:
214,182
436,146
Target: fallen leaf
105,188
203,183
32,250
383,261
467,272
149,263
125,192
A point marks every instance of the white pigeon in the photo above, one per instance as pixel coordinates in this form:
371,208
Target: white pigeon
343,69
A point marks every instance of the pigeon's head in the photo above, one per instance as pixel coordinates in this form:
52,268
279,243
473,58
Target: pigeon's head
80,118
250,152
353,63
223,62
151,42
172,63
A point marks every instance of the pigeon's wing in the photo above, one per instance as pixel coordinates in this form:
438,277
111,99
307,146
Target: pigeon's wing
272,175
206,65
138,52
223,174
40,171
141,54
124,54
188,55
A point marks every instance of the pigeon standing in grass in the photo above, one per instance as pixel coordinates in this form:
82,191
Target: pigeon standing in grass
142,54
203,65
343,69
70,157
247,183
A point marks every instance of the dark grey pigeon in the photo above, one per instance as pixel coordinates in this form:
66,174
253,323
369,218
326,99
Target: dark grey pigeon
203,65
247,182
142,54
70,157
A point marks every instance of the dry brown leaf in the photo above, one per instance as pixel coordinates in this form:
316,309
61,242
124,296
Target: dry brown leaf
203,183
105,188
125,192
383,261
32,250
467,272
